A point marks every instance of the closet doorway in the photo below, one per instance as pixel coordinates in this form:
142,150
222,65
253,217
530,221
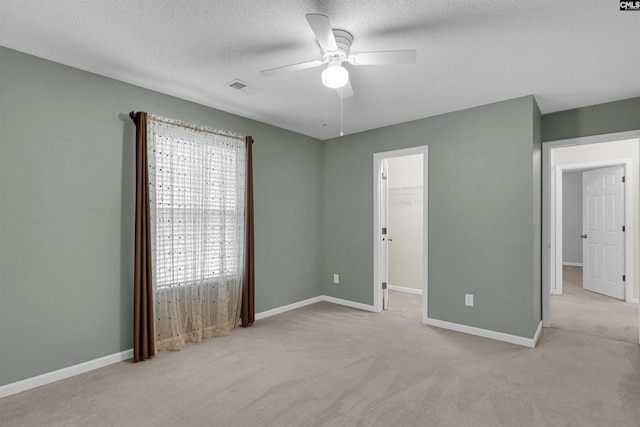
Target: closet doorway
400,224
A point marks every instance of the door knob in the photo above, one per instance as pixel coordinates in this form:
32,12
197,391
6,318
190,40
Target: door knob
584,236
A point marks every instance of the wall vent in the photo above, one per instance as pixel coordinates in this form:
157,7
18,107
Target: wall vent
243,87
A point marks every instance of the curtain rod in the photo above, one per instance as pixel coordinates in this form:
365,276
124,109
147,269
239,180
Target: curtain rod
198,128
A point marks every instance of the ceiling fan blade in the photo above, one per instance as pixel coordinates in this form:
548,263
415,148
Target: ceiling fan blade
389,57
293,67
322,29
345,91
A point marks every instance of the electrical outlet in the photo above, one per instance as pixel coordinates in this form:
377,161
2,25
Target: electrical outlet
336,278
468,300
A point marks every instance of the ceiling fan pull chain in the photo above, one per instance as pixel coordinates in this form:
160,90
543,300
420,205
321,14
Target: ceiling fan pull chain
341,133
325,107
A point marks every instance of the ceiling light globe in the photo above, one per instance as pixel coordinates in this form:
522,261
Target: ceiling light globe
335,76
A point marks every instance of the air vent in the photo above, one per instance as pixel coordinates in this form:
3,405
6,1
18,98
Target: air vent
243,87
238,85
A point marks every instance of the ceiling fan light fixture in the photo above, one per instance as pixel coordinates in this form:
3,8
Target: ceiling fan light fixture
335,76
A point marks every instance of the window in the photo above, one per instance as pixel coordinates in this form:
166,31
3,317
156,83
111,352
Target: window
197,183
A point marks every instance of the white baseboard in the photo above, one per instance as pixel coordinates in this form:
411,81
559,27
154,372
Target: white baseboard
513,339
300,304
407,290
289,307
60,374
537,334
348,303
572,264
554,292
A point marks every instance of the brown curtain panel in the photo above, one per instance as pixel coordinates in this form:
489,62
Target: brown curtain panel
143,322
248,287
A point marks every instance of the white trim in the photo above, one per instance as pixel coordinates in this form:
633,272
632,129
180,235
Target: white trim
548,207
304,303
499,336
557,233
572,264
60,374
377,168
634,301
403,289
537,334
348,303
288,307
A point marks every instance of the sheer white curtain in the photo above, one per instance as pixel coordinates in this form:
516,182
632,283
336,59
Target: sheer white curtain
197,179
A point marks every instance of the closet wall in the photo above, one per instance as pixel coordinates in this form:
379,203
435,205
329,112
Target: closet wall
405,221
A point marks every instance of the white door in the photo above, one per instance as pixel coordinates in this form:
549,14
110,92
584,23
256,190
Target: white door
384,223
603,236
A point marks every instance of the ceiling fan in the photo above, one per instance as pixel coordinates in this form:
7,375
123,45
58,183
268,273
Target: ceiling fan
335,47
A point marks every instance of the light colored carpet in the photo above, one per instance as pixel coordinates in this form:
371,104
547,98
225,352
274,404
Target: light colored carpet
328,365
591,313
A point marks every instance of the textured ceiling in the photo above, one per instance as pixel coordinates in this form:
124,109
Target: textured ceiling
472,52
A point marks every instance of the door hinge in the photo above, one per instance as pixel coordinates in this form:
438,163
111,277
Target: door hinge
384,285
624,277
384,175
384,230
624,228
623,178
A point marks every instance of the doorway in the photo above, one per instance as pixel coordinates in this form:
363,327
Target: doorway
626,249
592,152
403,190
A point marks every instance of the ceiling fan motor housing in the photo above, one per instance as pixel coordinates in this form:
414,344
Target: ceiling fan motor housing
343,40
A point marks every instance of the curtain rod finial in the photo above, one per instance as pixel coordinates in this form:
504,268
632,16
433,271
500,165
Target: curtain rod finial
132,115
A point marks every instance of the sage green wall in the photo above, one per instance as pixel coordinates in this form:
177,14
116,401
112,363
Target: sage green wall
67,207
537,214
481,213
611,117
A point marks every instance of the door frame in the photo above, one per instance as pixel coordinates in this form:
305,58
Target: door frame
549,240
556,282
377,232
